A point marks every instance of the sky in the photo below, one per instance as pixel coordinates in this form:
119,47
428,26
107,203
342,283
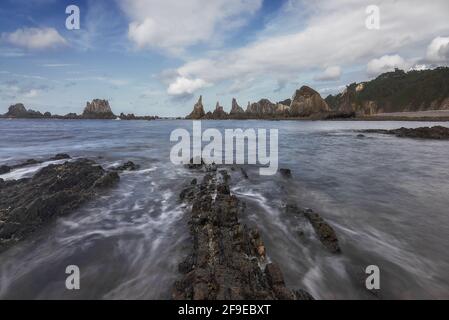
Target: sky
153,57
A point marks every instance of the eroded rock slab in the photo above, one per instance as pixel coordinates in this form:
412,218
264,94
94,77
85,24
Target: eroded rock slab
228,260
28,204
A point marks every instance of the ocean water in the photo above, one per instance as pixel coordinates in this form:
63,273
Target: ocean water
386,197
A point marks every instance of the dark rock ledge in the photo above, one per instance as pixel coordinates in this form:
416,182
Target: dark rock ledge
5,168
228,260
436,132
28,204
325,233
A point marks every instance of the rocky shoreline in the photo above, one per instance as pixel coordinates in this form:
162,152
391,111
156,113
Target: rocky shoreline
26,205
434,133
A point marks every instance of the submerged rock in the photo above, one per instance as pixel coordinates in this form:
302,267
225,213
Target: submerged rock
4,169
227,260
436,132
325,233
286,173
127,166
28,204
61,156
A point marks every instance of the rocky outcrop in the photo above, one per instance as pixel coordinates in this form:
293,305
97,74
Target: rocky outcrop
98,109
30,162
28,204
435,133
262,109
198,110
307,102
19,111
236,110
219,112
228,260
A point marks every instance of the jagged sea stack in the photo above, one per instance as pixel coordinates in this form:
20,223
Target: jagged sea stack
219,112
198,110
236,109
98,109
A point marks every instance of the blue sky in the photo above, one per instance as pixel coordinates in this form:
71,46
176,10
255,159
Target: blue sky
157,57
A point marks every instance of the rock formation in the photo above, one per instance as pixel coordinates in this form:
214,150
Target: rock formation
28,204
307,102
228,260
198,110
19,111
219,112
236,110
98,109
263,109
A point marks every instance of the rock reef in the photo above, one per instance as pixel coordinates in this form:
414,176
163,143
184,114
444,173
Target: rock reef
435,133
227,260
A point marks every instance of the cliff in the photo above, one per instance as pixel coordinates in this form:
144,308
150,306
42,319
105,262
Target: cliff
396,91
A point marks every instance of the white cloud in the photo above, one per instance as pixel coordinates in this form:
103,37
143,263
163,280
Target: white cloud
385,64
174,25
32,93
182,86
35,38
330,74
438,50
328,33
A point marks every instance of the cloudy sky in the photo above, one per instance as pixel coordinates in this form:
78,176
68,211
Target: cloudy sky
156,57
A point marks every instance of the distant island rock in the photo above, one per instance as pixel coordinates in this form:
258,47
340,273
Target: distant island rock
98,109
19,111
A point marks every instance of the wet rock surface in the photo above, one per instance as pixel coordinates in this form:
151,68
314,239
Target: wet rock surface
325,233
28,204
227,260
436,132
286,173
127,166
